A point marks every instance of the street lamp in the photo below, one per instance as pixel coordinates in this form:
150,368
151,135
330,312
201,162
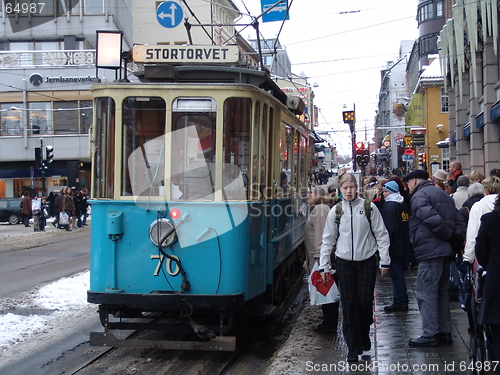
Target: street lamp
108,50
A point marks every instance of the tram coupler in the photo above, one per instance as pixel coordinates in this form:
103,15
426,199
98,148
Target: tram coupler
202,332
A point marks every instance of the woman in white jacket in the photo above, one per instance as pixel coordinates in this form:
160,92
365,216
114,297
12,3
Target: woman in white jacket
357,240
485,205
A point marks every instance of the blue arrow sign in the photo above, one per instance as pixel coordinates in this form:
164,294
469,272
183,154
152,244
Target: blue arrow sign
169,14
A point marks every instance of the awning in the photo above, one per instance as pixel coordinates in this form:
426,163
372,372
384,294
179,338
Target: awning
316,137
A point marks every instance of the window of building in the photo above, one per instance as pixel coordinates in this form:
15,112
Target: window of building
429,10
66,117
444,101
40,118
427,44
445,157
65,6
85,116
11,118
93,6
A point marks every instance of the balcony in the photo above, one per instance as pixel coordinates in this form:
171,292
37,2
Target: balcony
47,59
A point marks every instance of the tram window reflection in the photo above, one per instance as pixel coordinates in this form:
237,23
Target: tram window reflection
143,145
104,148
193,155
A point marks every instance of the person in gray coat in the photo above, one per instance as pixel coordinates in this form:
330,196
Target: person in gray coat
432,223
461,195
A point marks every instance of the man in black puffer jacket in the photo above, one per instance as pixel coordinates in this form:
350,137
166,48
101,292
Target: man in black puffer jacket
432,223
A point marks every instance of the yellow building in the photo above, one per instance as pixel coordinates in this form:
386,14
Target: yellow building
428,121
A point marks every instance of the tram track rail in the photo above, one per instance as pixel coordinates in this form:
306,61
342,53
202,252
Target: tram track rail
253,337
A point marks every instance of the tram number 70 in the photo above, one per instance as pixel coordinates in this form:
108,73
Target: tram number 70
168,266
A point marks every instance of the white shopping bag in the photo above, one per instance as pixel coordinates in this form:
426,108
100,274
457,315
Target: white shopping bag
321,292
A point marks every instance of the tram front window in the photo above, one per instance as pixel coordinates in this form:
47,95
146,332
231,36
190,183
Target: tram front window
193,156
143,146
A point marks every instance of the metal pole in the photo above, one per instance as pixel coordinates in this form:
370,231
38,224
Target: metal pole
42,167
353,139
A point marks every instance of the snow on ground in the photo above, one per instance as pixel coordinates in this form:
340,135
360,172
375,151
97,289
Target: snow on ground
39,311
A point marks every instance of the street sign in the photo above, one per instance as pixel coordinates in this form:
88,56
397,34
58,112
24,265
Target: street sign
198,54
169,14
278,13
405,157
418,139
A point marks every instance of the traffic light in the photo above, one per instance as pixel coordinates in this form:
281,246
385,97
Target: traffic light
424,159
38,157
360,147
49,154
366,156
348,117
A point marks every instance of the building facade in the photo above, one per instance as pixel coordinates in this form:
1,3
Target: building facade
390,124
470,54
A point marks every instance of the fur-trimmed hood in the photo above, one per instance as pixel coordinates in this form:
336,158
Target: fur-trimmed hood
320,199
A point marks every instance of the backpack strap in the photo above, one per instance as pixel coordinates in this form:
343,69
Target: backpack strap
368,214
338,215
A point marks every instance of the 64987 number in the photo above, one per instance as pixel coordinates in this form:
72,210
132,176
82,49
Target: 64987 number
479,366
24,8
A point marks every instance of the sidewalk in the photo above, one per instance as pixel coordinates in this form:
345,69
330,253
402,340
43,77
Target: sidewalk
19,236
307,352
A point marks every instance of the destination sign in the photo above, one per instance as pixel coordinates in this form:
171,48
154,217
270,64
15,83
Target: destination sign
185,54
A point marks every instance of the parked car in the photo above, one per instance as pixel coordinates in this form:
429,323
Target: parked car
10,210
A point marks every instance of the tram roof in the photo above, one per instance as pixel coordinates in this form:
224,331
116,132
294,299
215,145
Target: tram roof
158,73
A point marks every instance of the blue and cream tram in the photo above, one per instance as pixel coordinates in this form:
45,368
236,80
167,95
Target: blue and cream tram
198,200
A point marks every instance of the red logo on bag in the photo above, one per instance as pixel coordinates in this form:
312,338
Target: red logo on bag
322,286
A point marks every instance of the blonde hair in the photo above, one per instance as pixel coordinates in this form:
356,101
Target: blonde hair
476,175
348,177
492,184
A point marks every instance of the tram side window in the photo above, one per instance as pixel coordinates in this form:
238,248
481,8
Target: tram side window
257,163
303,162
193,156
286,158
143,146
237,113
103,148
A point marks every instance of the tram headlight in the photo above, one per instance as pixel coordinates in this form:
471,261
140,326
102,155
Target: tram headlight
161,228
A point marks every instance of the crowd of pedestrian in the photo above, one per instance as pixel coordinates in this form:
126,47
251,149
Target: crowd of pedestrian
72,203
431,222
